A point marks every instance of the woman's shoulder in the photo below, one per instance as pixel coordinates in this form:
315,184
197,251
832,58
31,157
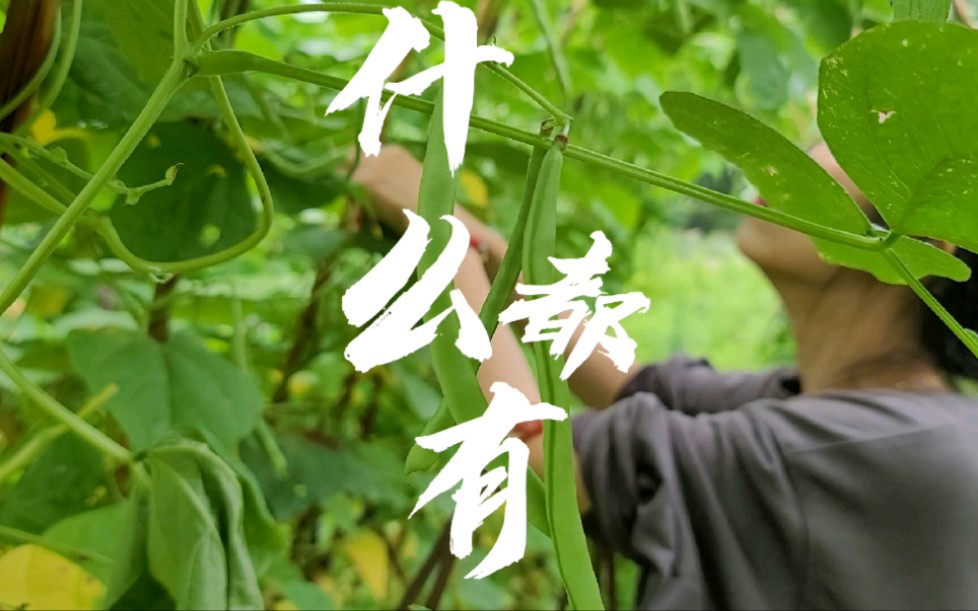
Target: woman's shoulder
809,422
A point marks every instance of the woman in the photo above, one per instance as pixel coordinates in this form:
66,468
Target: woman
850,481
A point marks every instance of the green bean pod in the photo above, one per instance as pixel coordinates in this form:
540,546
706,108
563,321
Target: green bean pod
420,459
436,198
566,529
437,195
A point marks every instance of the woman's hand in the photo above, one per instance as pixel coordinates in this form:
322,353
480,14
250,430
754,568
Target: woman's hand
392,179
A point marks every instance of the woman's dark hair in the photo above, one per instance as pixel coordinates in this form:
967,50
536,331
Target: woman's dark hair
960,299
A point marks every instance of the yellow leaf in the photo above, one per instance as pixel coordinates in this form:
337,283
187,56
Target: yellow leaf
328,585
302,382
474,188
32,577
367,552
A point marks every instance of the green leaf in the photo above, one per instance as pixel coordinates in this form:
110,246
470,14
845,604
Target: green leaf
791,181
95,532
176,386
316,472
129,581
117,65
196,544
891,109
830,21
788,179
921,10
921,258
208,207
761,66
185,528
292,194
61,482
143,31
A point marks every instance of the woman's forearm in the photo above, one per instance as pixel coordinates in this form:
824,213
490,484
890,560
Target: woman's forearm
508,363
596,382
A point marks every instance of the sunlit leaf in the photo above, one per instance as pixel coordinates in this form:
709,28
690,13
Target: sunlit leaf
891,108
32,577
791,181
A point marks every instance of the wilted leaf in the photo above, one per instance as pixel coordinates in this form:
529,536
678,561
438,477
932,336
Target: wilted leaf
368,553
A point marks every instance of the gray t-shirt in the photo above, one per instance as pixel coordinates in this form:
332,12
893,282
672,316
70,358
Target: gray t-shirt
733,491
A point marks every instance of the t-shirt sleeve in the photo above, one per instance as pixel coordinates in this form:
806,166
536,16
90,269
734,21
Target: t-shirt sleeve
703,503
693,386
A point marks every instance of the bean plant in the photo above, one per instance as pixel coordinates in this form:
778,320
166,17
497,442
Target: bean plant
186,478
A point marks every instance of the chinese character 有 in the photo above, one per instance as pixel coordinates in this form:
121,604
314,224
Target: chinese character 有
405,33
393,336
563,296
479,495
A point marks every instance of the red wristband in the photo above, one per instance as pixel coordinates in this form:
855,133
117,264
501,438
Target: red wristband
528,430
477,245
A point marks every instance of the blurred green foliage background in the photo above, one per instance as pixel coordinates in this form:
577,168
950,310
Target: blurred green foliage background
329,456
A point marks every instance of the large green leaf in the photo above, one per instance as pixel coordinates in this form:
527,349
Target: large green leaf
923,10
206,209
96,533
61,482
791,181
830,21
186,524
176,386
762,69
117,65
894,107
316,472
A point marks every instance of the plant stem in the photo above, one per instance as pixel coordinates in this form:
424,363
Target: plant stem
68,551
31,86
231,62
61,74
553,47
38,442
172,80
132,193
967,336
26,187
374,9
53,408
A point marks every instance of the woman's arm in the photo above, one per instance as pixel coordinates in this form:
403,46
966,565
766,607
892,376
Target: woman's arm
393,179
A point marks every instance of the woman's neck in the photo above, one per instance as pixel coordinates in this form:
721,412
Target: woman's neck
873,344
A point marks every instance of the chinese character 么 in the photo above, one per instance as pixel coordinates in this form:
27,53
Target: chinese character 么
563,296
393,335
403,34
479,495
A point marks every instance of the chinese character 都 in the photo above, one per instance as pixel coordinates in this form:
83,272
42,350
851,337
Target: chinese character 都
563,296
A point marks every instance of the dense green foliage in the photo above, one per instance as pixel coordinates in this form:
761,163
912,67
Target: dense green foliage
177,416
